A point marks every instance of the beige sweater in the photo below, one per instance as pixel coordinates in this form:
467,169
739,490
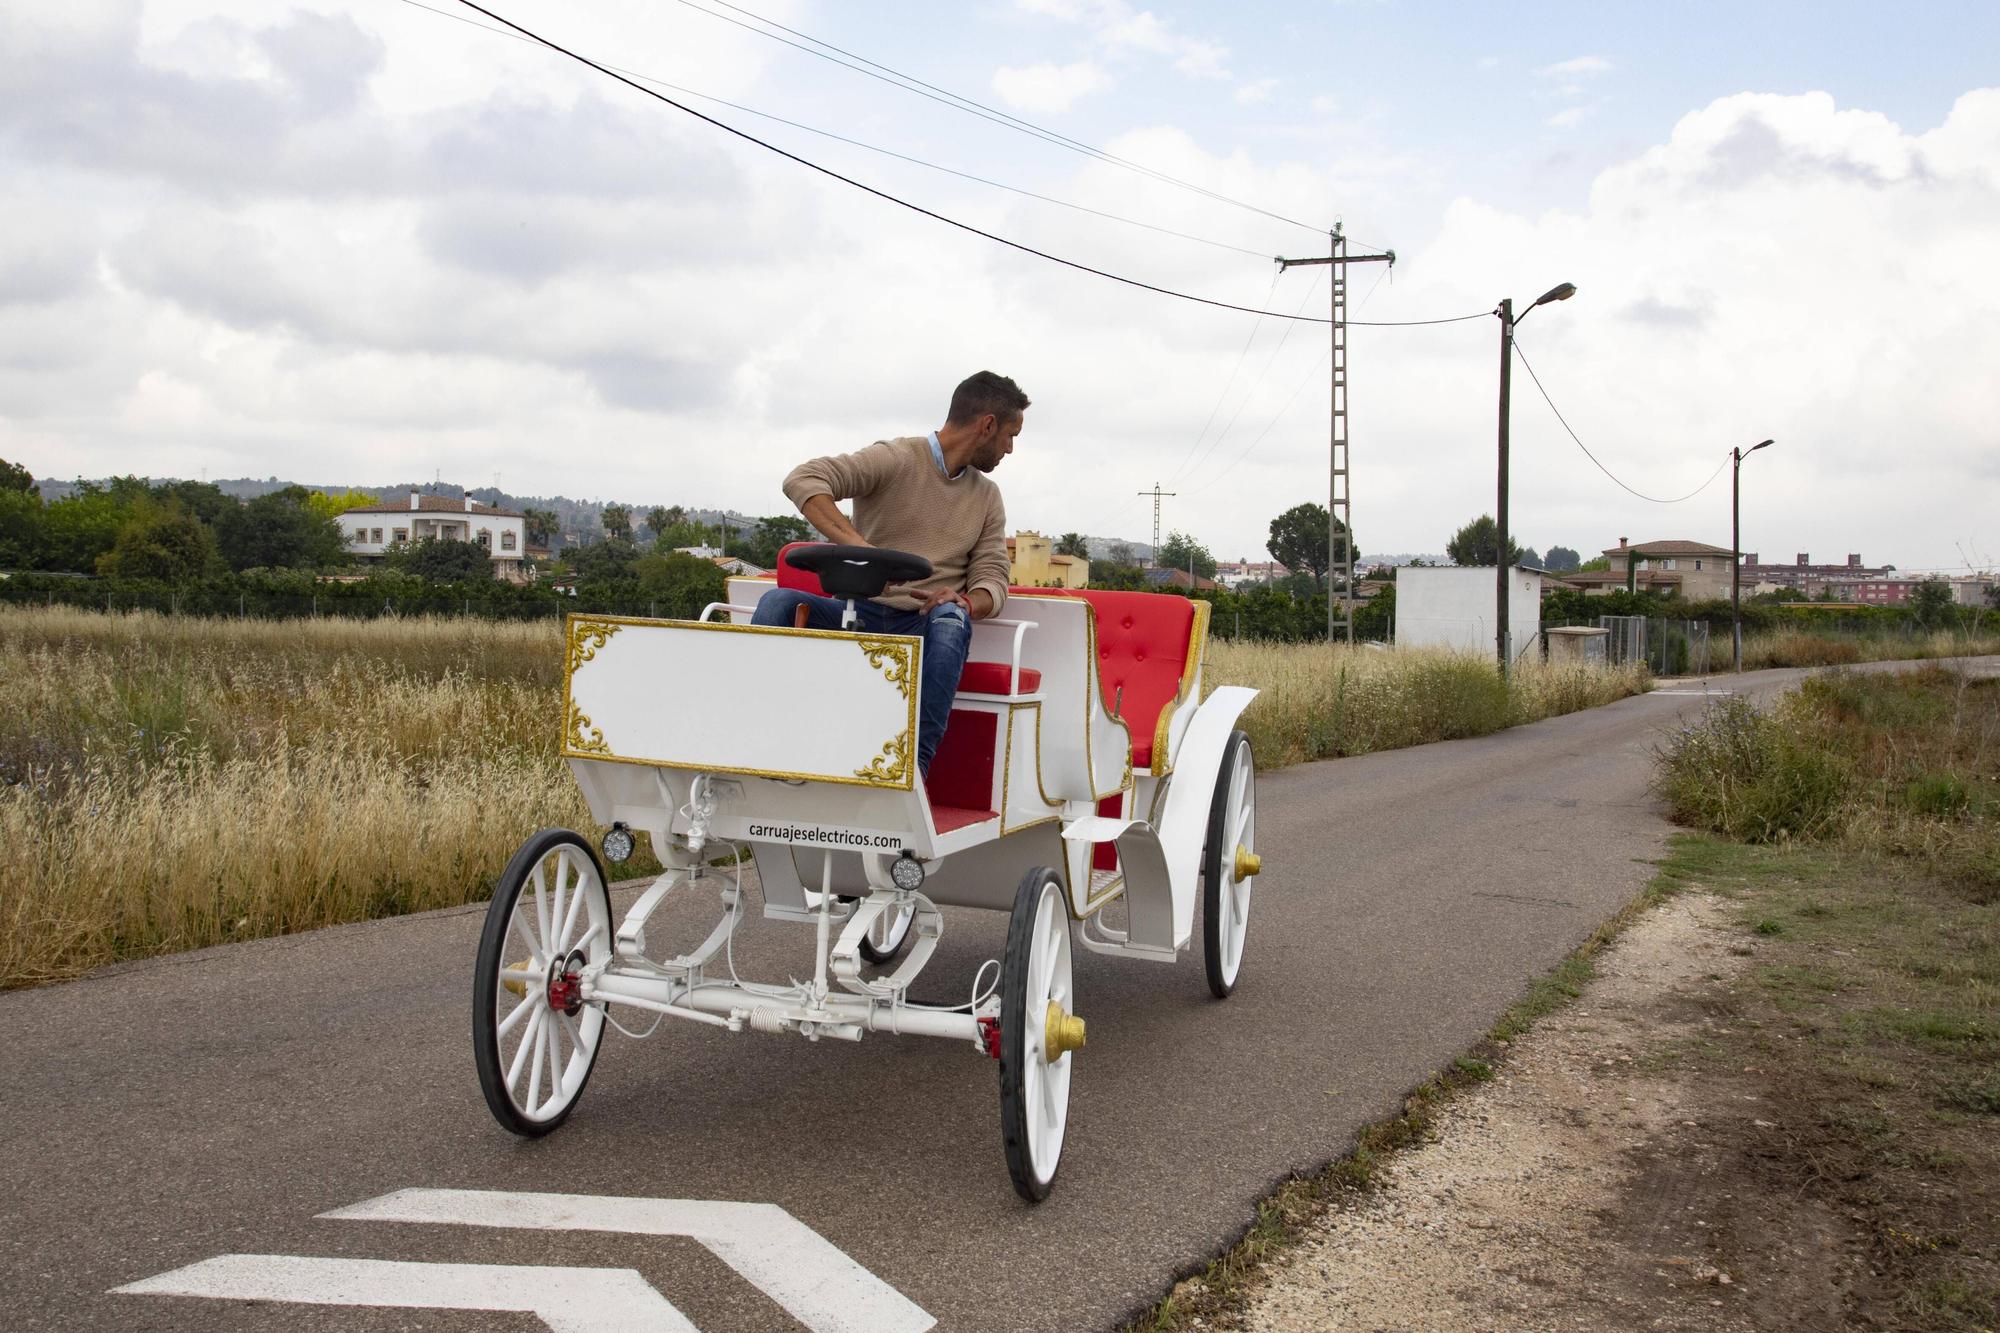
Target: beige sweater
903,500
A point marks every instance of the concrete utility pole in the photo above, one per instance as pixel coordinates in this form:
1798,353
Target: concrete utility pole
1737,455
1157,495
1339,493
1502,637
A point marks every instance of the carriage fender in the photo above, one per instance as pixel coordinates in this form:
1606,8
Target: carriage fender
1184,822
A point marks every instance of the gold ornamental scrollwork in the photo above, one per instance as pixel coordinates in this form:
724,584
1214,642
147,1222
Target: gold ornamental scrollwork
892,766
892,659
895,659
582,734
585,638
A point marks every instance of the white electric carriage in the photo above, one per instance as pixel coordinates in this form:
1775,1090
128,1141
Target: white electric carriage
1082,767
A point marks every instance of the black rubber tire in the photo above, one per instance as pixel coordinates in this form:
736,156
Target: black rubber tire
486,975
1013,1036
1211,866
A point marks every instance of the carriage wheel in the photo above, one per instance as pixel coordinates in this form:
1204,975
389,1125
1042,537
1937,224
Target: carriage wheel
888,934
533,1038
1038,1031
1229,864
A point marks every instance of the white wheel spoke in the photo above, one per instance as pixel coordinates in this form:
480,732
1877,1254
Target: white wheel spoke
556,912
555,1054
518,925
535,1065
569,921
542,909
521,1055
588,936
569,1025
513,1019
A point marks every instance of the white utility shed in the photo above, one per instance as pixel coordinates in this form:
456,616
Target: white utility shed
1452,607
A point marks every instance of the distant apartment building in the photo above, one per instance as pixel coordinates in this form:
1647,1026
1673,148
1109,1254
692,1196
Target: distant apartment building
372,531
1895,589
1803,576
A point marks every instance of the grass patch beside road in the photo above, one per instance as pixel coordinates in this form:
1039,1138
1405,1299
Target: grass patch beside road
168,783
1807,648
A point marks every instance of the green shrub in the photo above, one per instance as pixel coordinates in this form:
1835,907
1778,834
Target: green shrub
1754,776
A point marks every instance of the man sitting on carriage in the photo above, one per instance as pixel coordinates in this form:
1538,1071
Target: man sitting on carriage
930,496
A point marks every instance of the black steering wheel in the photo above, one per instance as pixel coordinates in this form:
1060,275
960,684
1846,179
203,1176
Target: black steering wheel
858,571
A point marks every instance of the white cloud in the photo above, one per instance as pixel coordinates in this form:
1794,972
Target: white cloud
1125,32
306,275
1488,62
1256,90
1049,88
1570,117
1325,104
1582,67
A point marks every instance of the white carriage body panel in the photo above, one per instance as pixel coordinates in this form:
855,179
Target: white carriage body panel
831,706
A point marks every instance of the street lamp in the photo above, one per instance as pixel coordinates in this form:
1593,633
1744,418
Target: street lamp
1502,639
1736,551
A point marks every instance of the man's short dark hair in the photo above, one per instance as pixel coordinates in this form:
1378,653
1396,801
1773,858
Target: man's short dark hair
982,393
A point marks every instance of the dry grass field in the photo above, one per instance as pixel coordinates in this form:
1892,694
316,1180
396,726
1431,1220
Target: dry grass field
170,783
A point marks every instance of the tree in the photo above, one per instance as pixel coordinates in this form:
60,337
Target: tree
1596,564
761,544
1561,560
617,520
1932,603
331,504
1180,551
1530,556
14,477
680,585
80,527
1478,541
1993,595
1299,538
1120,553
604,561
279,531
21,537
443,560
541,525
657,521
1073,544
160,541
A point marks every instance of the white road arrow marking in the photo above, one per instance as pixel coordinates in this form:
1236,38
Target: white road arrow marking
781,1256
568,1300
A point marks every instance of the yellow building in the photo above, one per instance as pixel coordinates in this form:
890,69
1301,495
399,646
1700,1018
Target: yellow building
1035,564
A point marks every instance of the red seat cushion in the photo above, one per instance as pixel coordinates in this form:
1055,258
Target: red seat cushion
802,579
1142,647
991,678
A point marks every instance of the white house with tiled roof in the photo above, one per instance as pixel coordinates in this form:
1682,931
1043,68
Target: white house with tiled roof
373,530
1694,570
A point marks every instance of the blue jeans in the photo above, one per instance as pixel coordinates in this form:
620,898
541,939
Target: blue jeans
946,632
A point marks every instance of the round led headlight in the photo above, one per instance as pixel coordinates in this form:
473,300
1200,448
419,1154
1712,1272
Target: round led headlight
618,844
906,872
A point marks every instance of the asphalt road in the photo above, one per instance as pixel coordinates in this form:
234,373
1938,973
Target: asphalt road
211,1104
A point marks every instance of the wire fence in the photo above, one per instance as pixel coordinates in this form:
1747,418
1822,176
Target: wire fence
1668,647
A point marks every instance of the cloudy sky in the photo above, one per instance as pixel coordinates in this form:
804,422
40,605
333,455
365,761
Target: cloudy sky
360,241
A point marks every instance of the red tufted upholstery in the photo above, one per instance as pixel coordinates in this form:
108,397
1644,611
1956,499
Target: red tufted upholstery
991,678
802,579
1142,646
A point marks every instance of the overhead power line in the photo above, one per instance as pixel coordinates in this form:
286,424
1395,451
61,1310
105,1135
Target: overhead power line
884,195
861,143
1593,457
944,96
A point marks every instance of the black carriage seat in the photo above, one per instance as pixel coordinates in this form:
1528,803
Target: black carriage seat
856,571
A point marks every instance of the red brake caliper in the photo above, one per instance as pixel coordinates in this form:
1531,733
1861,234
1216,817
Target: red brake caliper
566,986
989,1036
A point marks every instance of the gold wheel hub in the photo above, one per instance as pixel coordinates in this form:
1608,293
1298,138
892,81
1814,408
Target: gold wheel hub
1061,1034
515,984
1248,863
